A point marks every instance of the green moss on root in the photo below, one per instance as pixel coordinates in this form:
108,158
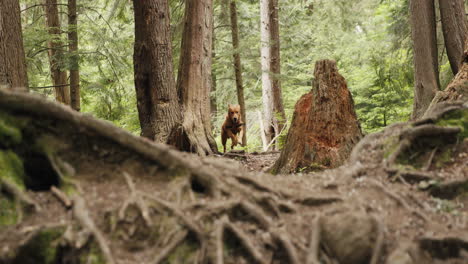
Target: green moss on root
10,129
185,253
93,256
8,213
42,248
11,168
456,118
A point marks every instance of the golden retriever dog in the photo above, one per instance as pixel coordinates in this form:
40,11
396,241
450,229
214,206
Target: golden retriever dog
232,127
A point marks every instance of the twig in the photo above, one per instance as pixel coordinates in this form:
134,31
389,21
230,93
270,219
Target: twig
50,86
82,215
61,196
176,241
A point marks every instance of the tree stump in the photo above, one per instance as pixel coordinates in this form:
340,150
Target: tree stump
324,128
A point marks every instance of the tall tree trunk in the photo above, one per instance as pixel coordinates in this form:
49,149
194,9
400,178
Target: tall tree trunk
213,101
74,58
426,73
270,60
194,80
156,92
278,108
55,45
12,59
452,13
238,67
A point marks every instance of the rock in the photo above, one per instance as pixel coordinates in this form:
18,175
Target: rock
350,236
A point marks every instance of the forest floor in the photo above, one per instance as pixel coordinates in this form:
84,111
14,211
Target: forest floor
124,199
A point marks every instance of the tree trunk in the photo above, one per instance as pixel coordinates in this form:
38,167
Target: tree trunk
270,60
12,59
426,73
194,81
74,57
56,47
238,67
157,103
278,108
324,128
452,13
213,101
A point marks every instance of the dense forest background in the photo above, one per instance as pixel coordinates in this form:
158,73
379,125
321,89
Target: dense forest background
369,39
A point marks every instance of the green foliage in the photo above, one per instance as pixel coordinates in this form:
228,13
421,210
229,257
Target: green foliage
369,39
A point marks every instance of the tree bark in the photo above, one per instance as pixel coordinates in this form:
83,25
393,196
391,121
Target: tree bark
452,13
56,46
426,73
270,60
194,81
238,67
324,128
158,107
13,73
213,101
74,57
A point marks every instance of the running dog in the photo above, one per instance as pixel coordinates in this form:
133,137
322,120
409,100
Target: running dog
232,127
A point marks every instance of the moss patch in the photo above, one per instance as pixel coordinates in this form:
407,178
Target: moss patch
456,118
8,213
185,253
42,248
10,129
11,168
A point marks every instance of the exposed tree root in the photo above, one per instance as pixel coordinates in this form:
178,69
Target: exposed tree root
378,248
62,197
82,215
178,239
427,130
398,199
314,243
246,242
285,243
19,195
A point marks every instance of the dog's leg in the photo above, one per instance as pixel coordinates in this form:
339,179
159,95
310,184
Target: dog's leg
224,140
241,137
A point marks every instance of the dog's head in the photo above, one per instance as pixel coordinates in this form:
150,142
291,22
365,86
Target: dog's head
234,113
